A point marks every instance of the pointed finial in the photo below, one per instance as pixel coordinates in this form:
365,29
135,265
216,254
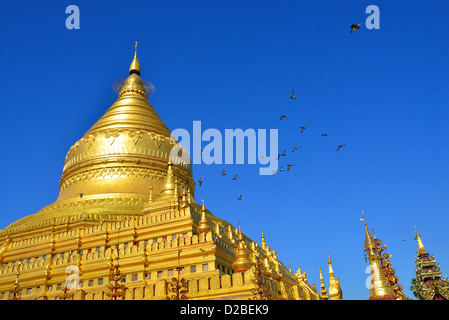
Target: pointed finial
421,248
135,67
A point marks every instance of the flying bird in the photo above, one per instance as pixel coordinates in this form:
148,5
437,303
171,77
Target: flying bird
223,173
289,166
279,155
355,27
282,169
296,148
403,238
81,195
293,95
303,128
324,134
235,178
341,146
282,117
239,197
283,154
201,180
274,172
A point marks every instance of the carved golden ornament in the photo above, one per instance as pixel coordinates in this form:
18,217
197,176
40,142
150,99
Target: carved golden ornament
115,288
261,289
178,288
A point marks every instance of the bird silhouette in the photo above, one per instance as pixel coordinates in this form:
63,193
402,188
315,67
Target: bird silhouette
239,197
340,146
201,181
283,154
324,134
223,173
235,178
296,148
303,128
289,166
282,117
282,169
81,195
403,238
274,172
202,152
293,95
279,155
355,27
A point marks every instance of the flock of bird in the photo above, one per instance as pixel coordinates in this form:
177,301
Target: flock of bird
303,128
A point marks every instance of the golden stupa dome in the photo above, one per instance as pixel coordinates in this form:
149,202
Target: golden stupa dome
111,169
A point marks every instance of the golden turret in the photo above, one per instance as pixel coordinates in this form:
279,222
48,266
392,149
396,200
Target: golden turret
204,223
242,261
380,288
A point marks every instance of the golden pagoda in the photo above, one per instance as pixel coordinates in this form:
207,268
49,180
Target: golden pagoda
126,223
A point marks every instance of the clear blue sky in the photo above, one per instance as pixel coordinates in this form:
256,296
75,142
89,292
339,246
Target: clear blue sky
232,64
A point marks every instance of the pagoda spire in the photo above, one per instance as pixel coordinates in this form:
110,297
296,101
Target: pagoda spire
380,288
324,294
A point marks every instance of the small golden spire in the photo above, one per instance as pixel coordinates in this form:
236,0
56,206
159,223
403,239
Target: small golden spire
169,184
184,199
421,249
263,244
242,261
135,67
203,226
324,294
329,261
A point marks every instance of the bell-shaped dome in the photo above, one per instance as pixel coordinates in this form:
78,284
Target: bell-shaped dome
111,168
